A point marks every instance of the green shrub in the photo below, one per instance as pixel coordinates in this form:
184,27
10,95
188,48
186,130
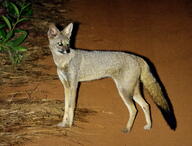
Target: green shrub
11,37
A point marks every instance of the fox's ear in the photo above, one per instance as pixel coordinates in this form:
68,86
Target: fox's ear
53,31
68,30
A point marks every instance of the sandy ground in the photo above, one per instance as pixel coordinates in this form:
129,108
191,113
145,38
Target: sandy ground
158,30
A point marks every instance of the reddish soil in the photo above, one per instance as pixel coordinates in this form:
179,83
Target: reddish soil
159,30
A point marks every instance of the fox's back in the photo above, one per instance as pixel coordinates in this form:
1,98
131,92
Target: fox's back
97,64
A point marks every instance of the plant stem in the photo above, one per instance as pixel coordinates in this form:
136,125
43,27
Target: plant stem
3,46
11,56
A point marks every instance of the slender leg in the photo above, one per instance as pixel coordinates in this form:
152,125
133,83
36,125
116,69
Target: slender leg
70,101
67,90
145,107
126,89
132,114
65,122
71,104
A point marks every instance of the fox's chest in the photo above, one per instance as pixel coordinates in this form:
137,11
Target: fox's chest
61,61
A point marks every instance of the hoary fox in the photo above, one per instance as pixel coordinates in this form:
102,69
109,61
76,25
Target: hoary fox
127,71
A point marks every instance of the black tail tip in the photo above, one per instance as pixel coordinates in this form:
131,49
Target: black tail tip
169,117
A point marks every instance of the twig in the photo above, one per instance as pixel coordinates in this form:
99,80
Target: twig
30,92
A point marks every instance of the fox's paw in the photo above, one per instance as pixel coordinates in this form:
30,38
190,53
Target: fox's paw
125,130
147,127
62,124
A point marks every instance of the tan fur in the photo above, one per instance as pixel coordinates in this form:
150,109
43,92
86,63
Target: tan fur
152,86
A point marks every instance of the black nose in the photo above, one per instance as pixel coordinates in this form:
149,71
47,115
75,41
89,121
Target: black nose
68,50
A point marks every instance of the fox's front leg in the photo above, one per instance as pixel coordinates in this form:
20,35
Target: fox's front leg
70,102
64,80
65,122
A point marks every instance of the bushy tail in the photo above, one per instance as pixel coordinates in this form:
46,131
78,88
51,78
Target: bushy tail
154,89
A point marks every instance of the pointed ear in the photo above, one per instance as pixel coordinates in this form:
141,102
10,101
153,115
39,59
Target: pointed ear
67,31
53,31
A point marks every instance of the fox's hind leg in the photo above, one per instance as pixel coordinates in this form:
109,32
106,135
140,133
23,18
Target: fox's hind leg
145,107
126,89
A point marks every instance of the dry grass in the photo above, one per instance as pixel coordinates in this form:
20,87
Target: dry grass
26,119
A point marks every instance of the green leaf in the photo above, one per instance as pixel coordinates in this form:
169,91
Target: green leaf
1,48
9,35
11,19
15,9
19,48
2,34
29,13
26,9
7,22
22,19
17,41
25,6
2,25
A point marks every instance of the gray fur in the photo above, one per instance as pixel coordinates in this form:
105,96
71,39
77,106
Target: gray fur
82,65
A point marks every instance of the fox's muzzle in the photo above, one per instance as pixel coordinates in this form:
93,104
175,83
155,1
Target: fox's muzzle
64,50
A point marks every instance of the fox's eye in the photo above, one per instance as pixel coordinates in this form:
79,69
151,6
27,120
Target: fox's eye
60,43
67,42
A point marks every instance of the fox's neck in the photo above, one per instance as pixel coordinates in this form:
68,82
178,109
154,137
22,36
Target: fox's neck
61,60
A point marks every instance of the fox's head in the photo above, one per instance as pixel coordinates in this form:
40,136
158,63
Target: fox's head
59,40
